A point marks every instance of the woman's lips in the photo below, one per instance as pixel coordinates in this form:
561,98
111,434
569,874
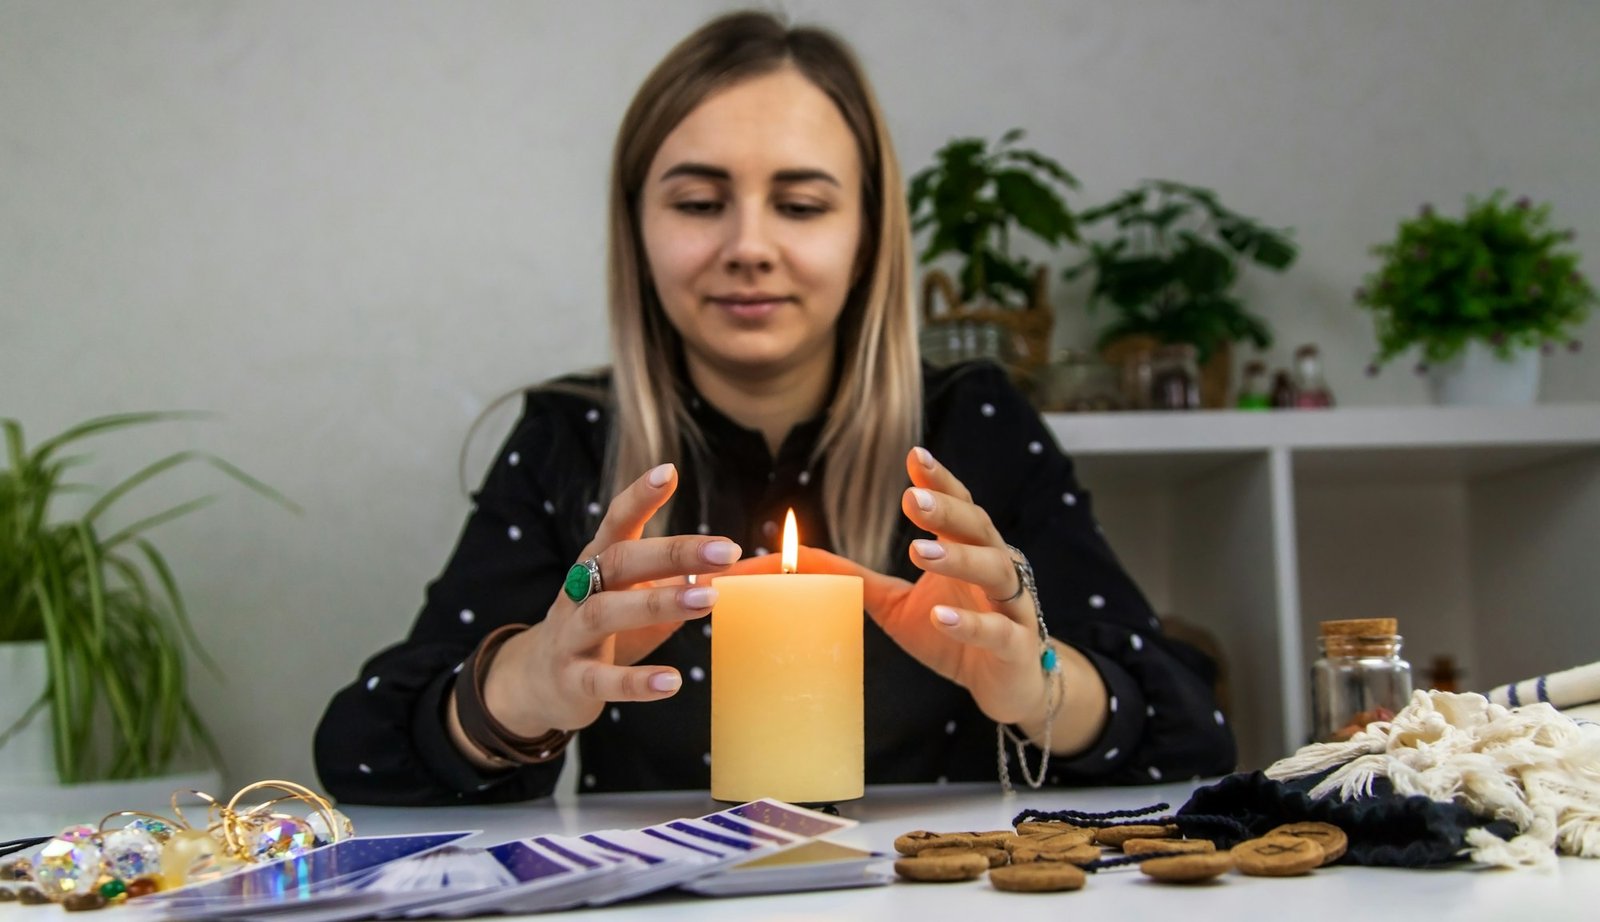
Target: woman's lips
749,310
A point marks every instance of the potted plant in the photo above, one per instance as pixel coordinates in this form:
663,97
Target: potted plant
1169,271
970,203
1481,296
93,629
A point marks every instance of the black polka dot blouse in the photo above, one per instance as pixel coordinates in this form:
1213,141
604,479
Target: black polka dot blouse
383,738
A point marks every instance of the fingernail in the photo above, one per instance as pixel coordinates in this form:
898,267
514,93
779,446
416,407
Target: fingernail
932,550
665,681
924,499
699,597
946,615
660,474
924,457
720,553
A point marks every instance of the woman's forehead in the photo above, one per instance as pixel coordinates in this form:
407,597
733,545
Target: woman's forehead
762,127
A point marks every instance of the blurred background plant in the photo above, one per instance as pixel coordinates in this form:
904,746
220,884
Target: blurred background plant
1169,270
105,604
975,197
1499,274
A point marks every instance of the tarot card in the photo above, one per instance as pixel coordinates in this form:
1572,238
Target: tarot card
291,882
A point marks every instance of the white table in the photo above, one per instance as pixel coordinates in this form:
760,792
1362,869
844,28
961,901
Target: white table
1338,894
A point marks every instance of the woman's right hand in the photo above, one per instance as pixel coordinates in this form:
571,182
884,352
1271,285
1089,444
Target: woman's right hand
560,673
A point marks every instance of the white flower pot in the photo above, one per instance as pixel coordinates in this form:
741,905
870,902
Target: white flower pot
32,797
27,757
1478,377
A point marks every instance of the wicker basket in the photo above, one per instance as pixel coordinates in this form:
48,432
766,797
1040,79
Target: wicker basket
1028,328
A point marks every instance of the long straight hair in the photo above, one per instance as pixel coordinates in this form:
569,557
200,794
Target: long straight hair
876,412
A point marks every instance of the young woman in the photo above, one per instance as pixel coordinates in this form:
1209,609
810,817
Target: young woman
764,358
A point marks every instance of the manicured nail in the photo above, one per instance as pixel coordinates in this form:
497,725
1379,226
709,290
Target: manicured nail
660,474
665,681
699,597
720,553
924,499
924,457
932,550
946,615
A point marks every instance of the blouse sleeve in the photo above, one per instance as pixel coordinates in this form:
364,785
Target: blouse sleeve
383,738
1164,722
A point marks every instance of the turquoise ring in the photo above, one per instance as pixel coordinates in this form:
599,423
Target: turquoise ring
583,580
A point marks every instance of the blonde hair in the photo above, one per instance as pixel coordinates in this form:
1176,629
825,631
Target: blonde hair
876,412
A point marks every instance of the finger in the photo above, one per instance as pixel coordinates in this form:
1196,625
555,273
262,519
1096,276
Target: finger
629,510
989,568
989,631
603,681
629,563
615,611
928,473
949,516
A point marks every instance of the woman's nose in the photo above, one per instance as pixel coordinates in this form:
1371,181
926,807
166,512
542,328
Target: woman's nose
750,247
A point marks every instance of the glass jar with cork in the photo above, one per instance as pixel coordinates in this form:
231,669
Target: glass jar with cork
1358,677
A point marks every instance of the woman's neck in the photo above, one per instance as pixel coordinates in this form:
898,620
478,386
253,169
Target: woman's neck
771,403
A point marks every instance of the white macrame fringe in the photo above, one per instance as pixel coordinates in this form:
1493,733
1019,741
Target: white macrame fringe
1531,766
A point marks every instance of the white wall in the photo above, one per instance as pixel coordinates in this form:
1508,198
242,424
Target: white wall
346,226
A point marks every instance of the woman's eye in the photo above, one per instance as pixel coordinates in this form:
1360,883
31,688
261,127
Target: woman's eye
802,209
698,207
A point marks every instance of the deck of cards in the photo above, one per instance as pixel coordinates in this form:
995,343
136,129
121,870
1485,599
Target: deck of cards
757,847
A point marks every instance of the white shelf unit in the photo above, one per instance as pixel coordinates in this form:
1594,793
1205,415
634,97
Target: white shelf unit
1476,527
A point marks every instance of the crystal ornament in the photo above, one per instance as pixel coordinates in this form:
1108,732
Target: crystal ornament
69,863
281,837
131,852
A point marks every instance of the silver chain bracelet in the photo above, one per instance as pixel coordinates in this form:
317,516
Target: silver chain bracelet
1052,689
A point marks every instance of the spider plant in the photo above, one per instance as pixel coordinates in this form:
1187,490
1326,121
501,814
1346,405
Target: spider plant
106,605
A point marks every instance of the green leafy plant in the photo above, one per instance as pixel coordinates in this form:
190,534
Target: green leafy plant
106,605
1498,275
1170,269
975,197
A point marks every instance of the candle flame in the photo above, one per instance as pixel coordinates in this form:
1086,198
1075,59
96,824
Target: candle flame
791,544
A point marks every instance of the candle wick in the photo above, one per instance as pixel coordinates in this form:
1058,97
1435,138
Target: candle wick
788,569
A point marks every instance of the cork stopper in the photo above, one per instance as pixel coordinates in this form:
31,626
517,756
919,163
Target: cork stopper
1361,637
1361,627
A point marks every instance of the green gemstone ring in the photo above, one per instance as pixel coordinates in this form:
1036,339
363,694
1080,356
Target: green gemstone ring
583,580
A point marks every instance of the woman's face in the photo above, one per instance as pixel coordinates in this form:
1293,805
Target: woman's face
751,218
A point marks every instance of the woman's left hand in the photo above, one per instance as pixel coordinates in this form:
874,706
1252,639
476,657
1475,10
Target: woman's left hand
949,619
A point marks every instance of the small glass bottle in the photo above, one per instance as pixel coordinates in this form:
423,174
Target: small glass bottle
1253,393
1175,378
1358,677
1282,391
1137,375
1310,389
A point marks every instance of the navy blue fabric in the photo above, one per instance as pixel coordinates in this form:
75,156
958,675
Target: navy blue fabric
1385,829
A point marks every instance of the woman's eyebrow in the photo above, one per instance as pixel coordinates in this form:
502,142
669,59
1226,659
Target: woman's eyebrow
786,177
